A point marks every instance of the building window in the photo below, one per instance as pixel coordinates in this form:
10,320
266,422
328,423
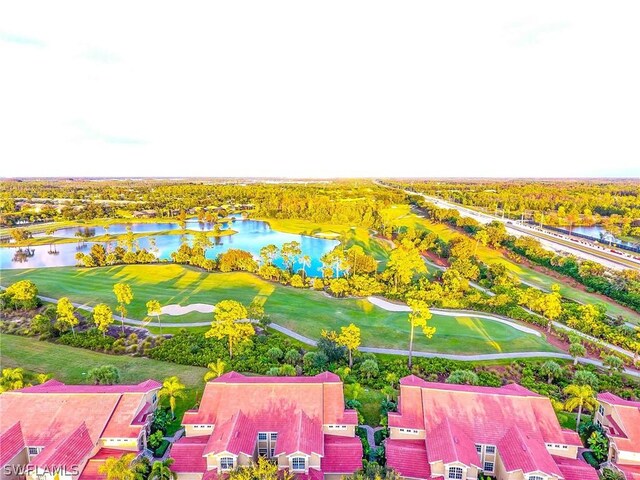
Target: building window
488,466
412,431
274,436
154,398
601,410
535,477
479,448
262,436
273,452
455,473
226,463
490,449
262,452
299,464
33,450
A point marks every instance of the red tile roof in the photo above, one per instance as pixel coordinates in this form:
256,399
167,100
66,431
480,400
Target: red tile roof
303,434
511,389
451,442
631,472
616,400
525,451
235,377
408,458
53,386
296,408
457,417
91,470
236,435
341,454
11,443
68,451
574,469
187,454
624,422
59,417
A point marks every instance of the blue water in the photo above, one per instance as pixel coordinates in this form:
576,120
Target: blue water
252,236
598,232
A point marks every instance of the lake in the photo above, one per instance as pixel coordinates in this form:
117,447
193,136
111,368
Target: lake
252,236
598,232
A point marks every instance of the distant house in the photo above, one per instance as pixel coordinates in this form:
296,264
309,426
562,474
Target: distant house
299,422
458,432
69,430
621,421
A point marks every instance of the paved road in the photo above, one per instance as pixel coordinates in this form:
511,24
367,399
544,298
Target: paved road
554,241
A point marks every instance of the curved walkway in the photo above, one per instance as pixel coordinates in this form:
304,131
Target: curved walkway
388,351
397,307
448,356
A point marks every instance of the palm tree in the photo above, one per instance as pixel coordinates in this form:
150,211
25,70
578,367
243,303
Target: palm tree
161,470
580,396
215,370
551,369
43,377
118,468
172,389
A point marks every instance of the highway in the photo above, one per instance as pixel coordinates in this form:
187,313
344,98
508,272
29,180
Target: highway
552,240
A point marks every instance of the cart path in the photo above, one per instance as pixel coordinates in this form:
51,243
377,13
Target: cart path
391,351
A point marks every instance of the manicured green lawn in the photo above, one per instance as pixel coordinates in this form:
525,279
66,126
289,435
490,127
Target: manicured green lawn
528,275
70,365
304,311
568,419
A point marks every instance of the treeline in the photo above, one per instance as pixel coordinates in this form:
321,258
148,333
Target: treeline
615,203
346,202
460,251
621,286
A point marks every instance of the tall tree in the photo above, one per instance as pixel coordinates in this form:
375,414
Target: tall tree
65,315
405,262
418,317
230,322
349,337
172,389
124,296
305,261
580,397
202,241
268,254
289,252
154,308
102,317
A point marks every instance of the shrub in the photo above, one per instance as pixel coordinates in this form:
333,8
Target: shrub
91,340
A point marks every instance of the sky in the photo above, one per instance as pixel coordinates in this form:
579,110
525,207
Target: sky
332,88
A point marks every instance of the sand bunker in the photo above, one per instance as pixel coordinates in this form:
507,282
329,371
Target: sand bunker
175,310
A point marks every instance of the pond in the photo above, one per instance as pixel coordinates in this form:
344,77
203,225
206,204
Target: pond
252,236
598,232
